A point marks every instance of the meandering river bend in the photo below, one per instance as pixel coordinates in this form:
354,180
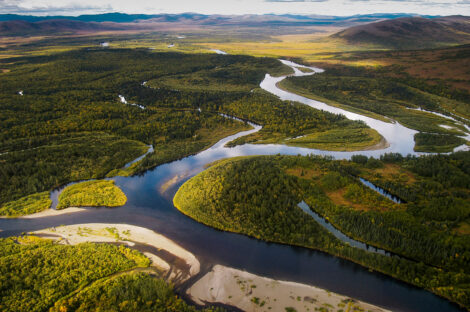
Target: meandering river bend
151,207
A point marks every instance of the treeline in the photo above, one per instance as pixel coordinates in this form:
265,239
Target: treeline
436,143
95,193
26,205
258,197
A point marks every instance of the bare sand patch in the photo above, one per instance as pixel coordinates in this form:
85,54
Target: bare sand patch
52,212
250,292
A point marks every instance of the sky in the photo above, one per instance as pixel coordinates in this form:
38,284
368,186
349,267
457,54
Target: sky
230,7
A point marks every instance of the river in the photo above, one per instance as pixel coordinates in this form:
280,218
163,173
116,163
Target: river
151,207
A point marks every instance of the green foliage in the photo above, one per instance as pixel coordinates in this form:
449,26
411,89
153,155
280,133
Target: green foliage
235,210
128,292
436,143
227,77
333,181
70,124
97,193
351,137
451,171
368,162
36,274
26,205
283,120
255,196
359,194
50,161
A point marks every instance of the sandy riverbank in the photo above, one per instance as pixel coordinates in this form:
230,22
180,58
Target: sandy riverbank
131,235
383,144
52,212
222,284
250,292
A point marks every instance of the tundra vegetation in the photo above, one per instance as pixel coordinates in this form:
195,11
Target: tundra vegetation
428,234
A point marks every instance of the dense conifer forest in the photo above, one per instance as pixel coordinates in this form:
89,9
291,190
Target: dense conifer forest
63,120
427,235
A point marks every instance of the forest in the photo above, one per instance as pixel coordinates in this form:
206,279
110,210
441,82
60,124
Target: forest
62,119
38,274
129,292
258,196
29,204
95,193
389,92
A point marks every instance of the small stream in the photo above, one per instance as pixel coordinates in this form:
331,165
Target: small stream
150,150
381,191
338,234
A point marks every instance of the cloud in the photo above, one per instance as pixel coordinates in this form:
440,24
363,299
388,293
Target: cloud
290,1
415,1
45,8
318,7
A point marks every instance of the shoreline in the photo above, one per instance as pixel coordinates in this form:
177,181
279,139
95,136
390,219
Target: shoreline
383,144
337,105
220,285
47,213
250,292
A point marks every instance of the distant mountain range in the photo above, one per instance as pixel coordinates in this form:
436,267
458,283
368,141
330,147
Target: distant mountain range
398,31
410,32
20,25
54,27
128,18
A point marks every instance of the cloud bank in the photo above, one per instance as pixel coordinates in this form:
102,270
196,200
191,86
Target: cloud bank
318,7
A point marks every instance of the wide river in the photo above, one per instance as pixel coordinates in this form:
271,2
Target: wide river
150,205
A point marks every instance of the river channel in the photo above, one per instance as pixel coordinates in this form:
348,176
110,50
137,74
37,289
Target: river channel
151,207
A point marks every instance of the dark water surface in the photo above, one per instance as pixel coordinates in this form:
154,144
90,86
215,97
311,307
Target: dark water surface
381,191
338,234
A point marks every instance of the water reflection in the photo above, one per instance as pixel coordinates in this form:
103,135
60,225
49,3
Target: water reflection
338,234
381,191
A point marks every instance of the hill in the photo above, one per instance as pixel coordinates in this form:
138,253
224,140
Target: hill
20,28
20,25
127,18
410,32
